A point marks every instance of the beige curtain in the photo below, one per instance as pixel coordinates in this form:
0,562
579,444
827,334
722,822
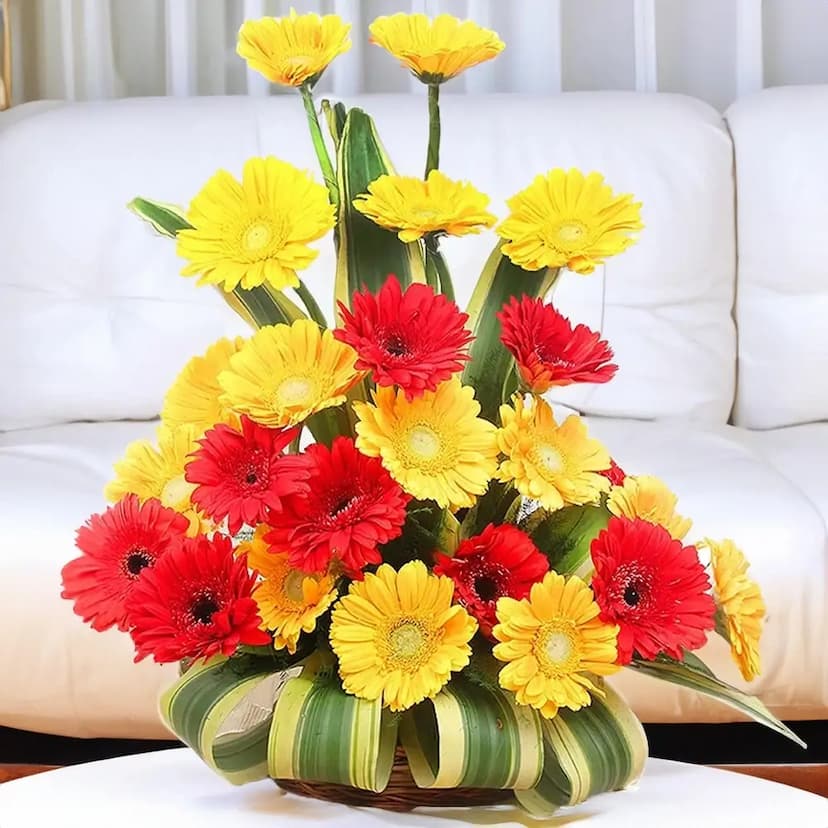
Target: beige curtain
713,49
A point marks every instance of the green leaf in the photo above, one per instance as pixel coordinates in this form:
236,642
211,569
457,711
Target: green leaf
222,709
166,219
565,535
586,752
491,507
263,305
490,361
469,735
694,674
320,733
420,535
335,117
367,253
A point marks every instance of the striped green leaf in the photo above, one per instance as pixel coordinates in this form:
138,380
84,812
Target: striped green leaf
490,362
473,736
565,536
586,752
694,674
366,253
322,734
166,219
214,709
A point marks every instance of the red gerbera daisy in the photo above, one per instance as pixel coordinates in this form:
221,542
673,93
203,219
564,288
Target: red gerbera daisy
118,546
195,603
615,474
653,587
548,350
242,474
353,505
500,561
415,340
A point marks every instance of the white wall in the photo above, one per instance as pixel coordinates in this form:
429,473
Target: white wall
712,49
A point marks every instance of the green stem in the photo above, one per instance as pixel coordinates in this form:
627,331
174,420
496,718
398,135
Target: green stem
433,156
313,309
319,144
437,272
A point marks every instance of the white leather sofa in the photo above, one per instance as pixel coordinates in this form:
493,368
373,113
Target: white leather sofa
718,318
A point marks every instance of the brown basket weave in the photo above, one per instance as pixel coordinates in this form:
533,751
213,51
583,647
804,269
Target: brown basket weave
400,795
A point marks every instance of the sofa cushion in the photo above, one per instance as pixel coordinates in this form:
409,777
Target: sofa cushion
70,680
99,321
780,137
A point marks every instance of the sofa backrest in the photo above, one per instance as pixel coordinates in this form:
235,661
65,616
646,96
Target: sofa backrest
781,150
97,321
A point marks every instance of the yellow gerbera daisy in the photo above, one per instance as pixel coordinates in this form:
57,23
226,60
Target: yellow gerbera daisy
193,399
289,600
741,602
554,642
255,230
648,498
566,219
285,373
398,636
555,464
435,446
147,471
293,50
435,50
413,208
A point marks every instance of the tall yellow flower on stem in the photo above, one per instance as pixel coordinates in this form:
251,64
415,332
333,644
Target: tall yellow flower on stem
414,208
555,464
290,601
193,399
285,373
648,498
435,50
554,643
256,230
398,636
740,600
435,446
158,472
293,50
568,219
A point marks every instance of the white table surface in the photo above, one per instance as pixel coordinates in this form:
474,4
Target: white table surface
173,788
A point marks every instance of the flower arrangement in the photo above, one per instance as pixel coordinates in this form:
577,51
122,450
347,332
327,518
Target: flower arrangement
379,534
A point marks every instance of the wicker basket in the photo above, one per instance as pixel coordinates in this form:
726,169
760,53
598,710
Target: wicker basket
400,795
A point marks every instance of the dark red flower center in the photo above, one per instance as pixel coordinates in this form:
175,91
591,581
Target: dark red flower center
137,560
343,506
203,609
487,588
548,356
489,582
253,470
632,589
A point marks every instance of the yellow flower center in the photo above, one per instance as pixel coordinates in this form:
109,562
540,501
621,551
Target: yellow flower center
424,442
176,494
296,391
408,644
557,648
292,586
550,458
257,236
